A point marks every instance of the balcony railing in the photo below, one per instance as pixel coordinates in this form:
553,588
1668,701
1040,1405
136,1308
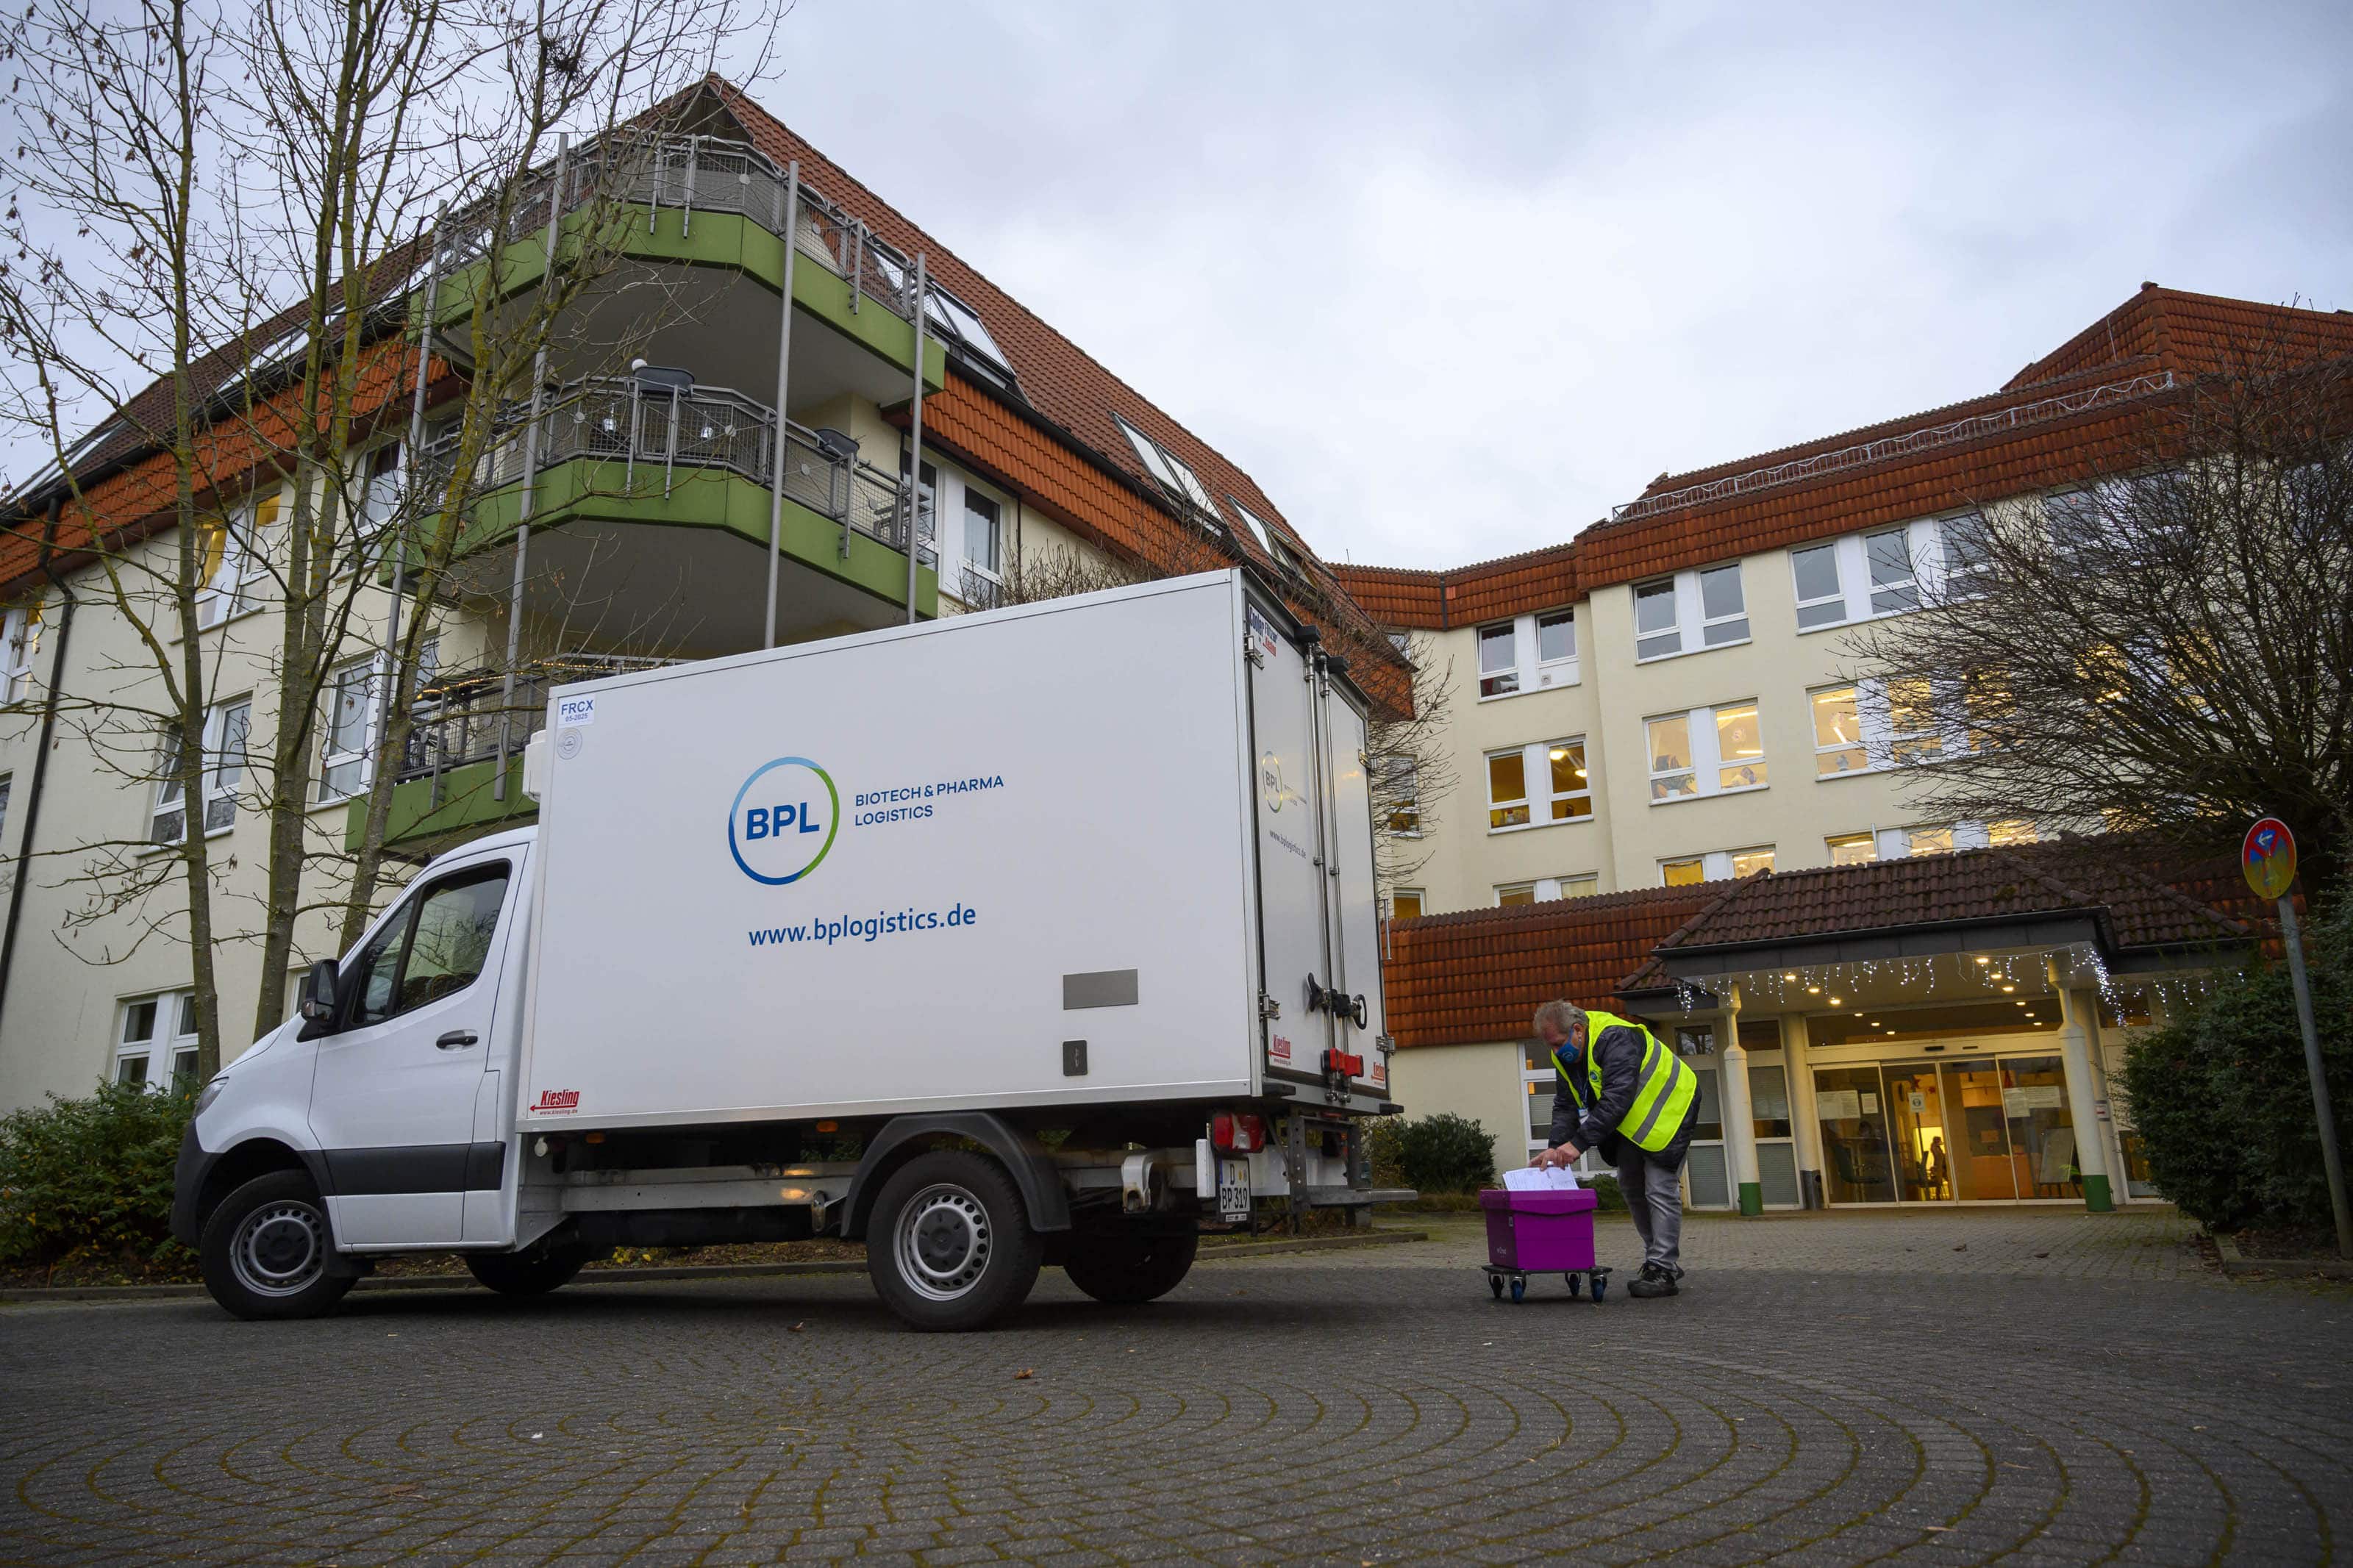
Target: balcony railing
460,716
655,432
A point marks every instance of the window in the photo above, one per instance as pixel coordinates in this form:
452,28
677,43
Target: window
2073,517
1405,904
1715,866
1838,733
223,770
1931,840
1853,849
1915,730
983,532
155,1043
7,786
1499,663
435,947
1708,751
1172,473
231,559
1545,889
1528,653
1821,601
2000,834
1397,796
20,638
1507,790
1265,537
1723,609
351,720
1969,555
1572,794
963,324
377,500
1739,749
1892,584
1657,631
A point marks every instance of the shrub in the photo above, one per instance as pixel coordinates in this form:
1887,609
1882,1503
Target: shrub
1441,1154
92,1176
2222,1100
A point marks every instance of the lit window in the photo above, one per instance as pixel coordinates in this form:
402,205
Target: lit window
1656,632
1821,601
1499,665
1724,613
1838,733
1516,893
1715,866
1853,849
1739,749
1572,794
1671,774
1748,862
1507,790
1398,797
1915,728
1893,586
1405,904
1683,873
1932,840
1557,637
2004,834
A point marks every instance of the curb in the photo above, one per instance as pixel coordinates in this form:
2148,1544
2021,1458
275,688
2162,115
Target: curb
98,1293
2235,1262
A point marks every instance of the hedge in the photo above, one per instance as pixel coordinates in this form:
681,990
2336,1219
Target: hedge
91,1176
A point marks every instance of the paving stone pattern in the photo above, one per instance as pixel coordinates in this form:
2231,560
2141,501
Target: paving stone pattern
1795,1405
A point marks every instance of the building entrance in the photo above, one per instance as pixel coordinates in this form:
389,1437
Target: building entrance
1957,1132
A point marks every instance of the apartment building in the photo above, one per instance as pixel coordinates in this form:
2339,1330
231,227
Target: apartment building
689,477
1670,702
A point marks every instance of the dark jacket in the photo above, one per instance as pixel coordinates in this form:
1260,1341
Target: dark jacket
1619,1051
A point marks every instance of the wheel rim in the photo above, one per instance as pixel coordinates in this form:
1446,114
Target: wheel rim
943,1243
280,1250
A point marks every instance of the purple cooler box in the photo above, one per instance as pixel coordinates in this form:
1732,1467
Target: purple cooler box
1539,1232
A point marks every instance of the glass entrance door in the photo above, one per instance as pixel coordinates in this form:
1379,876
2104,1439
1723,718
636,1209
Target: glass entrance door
1854,1135
1977,1132
1915,1114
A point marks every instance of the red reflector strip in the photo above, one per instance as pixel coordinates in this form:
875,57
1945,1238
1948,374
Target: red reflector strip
1341,1061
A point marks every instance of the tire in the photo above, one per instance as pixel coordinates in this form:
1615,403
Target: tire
1127,1267
532,1272
268,1251
950,1247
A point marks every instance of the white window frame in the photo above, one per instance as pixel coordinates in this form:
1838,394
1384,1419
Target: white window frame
1548,890
221,775
1544,1078
1420,897
1718,865
244,544
1856,596
1809,610
1949,725
1868,840
1535,762
993,530
1895,843
1895,595
1562,670
1496,638
1706,760
20,639
1693,629
371,672
1859,744
165,1038
8,788
376,499
1521,639
1401,797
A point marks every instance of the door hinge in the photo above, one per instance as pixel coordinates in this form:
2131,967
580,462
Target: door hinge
1268,1007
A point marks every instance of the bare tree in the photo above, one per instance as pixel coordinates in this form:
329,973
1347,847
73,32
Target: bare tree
2167,650
1410,764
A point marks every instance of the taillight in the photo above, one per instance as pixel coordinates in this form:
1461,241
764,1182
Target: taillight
1236,1133
1342,1062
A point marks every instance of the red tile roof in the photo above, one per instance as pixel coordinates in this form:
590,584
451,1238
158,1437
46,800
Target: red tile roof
1478,974
2080,411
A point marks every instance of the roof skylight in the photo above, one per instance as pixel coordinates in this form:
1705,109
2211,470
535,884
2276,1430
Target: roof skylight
1171,471
1265,536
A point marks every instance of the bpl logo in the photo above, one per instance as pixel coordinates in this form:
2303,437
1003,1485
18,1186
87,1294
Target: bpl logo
782,821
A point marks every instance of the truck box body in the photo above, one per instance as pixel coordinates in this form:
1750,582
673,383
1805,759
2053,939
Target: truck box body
1101,849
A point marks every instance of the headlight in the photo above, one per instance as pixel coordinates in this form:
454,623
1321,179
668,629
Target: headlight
209,1093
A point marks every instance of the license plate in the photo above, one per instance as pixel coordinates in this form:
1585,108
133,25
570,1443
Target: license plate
1233,1189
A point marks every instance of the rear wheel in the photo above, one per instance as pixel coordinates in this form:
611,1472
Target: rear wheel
1128,1266
950,1245
533,1272
268,1250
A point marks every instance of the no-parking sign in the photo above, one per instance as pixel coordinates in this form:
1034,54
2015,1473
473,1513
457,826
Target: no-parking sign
2268,857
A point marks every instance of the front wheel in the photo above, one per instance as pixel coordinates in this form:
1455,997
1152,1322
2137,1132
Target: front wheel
268,1250
1127,1267
533,1272
950,1247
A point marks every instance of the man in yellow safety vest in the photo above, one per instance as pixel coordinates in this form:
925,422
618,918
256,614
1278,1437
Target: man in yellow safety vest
1626,1095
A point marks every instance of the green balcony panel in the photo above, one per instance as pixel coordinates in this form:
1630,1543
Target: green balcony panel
466,809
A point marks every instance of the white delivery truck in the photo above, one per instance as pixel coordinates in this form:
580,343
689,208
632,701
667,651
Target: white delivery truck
1041,936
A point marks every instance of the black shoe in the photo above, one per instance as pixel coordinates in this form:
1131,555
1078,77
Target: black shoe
1656,1279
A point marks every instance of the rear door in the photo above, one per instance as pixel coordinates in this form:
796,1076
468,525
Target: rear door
1354,900
1290,794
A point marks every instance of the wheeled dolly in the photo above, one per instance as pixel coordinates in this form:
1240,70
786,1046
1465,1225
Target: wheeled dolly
1516,1280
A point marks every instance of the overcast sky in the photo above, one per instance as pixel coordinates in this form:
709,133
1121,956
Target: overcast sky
1450,281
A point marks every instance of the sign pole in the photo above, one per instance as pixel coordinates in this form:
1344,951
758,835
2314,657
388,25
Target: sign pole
2268,858
2331,1165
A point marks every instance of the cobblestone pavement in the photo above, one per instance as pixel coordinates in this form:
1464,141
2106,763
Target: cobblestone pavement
1370,1406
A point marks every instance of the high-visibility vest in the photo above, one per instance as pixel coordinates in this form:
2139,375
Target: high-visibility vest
1663,1091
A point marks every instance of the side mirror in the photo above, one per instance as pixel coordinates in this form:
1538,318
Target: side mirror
319,992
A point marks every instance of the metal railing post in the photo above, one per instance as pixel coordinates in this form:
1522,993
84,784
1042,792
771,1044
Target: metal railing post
530,485
915,456
416,475
686,209
789,228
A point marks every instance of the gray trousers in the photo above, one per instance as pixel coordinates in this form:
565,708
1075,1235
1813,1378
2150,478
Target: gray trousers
1654,1193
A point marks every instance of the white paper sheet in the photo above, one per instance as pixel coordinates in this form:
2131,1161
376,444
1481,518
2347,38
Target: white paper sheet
1527,1179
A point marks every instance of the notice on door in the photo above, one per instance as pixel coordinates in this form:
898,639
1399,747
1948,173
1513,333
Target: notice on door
1838,1104
2022,1102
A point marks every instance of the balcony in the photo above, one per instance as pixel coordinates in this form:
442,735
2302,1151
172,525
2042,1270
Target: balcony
444,787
